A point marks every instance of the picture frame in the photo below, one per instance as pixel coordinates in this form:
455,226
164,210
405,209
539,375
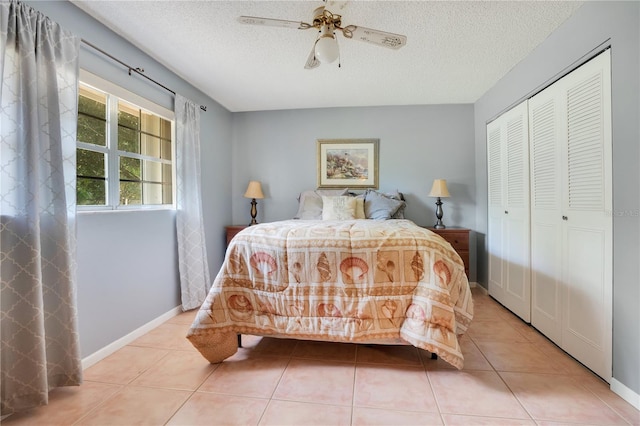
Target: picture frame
348,163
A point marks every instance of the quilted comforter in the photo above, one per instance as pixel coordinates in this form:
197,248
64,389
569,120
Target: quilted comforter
350,281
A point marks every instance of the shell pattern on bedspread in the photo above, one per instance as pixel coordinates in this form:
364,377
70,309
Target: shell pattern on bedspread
312,280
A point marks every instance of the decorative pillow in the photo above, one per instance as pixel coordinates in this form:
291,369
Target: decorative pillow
310,203
360,207
380,206
338,208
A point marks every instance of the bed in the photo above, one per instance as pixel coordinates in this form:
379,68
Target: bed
346,280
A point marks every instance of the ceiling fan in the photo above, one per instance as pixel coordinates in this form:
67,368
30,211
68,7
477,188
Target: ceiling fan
325,48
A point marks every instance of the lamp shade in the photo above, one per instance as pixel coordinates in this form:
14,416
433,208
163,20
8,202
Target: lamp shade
254,190
327,46
439,188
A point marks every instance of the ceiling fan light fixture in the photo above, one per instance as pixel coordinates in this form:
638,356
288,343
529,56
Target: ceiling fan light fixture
327,47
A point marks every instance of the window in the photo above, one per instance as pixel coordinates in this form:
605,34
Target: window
124,151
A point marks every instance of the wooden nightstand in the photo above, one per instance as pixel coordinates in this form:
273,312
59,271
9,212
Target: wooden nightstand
459,240
232,230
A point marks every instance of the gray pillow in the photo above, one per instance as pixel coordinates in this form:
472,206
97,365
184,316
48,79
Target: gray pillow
380,206
396,195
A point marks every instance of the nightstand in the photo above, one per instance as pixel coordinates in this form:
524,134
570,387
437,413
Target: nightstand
232,230
459,240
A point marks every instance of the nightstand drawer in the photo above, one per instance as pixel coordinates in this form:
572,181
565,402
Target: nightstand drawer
232,230
459,240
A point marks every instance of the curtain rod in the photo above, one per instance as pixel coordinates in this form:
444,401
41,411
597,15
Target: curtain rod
138,71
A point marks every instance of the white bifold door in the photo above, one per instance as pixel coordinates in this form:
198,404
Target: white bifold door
571,213
508,233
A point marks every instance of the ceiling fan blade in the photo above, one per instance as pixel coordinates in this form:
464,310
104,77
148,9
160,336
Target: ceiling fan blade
377,37
312,61
254,20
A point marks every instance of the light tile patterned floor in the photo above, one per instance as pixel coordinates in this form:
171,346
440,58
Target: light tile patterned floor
512,375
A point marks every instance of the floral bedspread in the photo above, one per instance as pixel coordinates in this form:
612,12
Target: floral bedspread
349,281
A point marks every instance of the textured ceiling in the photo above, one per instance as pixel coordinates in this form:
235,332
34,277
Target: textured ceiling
455,52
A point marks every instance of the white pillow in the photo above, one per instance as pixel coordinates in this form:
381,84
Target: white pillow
310,202
338,208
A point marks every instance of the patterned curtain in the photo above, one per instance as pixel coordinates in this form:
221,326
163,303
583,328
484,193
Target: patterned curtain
38,119
192,252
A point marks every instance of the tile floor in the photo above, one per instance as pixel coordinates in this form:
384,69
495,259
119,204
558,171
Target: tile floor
512,375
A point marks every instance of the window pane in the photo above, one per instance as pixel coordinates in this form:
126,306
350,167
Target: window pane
92,102
165,129
166,174
150,123
92,130
130,193
152,171
128,140
167,193
150,145
91,192
91,186
128,115
130,169
90,163
165,152
92,116
152,193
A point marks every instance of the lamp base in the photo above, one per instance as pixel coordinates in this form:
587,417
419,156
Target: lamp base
439,224
254,212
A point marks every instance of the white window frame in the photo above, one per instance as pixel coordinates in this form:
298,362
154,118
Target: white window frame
112,171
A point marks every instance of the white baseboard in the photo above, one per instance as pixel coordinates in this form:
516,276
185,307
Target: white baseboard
625,393
101,354
474,284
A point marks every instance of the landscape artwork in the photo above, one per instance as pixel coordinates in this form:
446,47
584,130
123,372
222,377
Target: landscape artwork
348,163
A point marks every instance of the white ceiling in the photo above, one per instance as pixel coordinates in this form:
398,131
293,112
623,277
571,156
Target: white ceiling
455,52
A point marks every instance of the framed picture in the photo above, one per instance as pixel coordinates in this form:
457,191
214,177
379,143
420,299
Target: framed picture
348,163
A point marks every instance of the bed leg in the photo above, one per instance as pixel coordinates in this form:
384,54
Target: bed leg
434,356
239,340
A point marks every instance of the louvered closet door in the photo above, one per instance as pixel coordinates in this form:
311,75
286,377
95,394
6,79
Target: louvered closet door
587,274
516,219
496,209
545,116
571,221
508,233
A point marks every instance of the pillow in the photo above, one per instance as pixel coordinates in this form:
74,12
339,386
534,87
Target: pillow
396,195
360,207
310,203
380,206
338,208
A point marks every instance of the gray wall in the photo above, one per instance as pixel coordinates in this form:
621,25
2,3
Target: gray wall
591,26
127,261
417,144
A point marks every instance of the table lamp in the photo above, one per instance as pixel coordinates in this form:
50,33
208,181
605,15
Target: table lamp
254,190
439,189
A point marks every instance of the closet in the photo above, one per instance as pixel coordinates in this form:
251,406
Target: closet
569,256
